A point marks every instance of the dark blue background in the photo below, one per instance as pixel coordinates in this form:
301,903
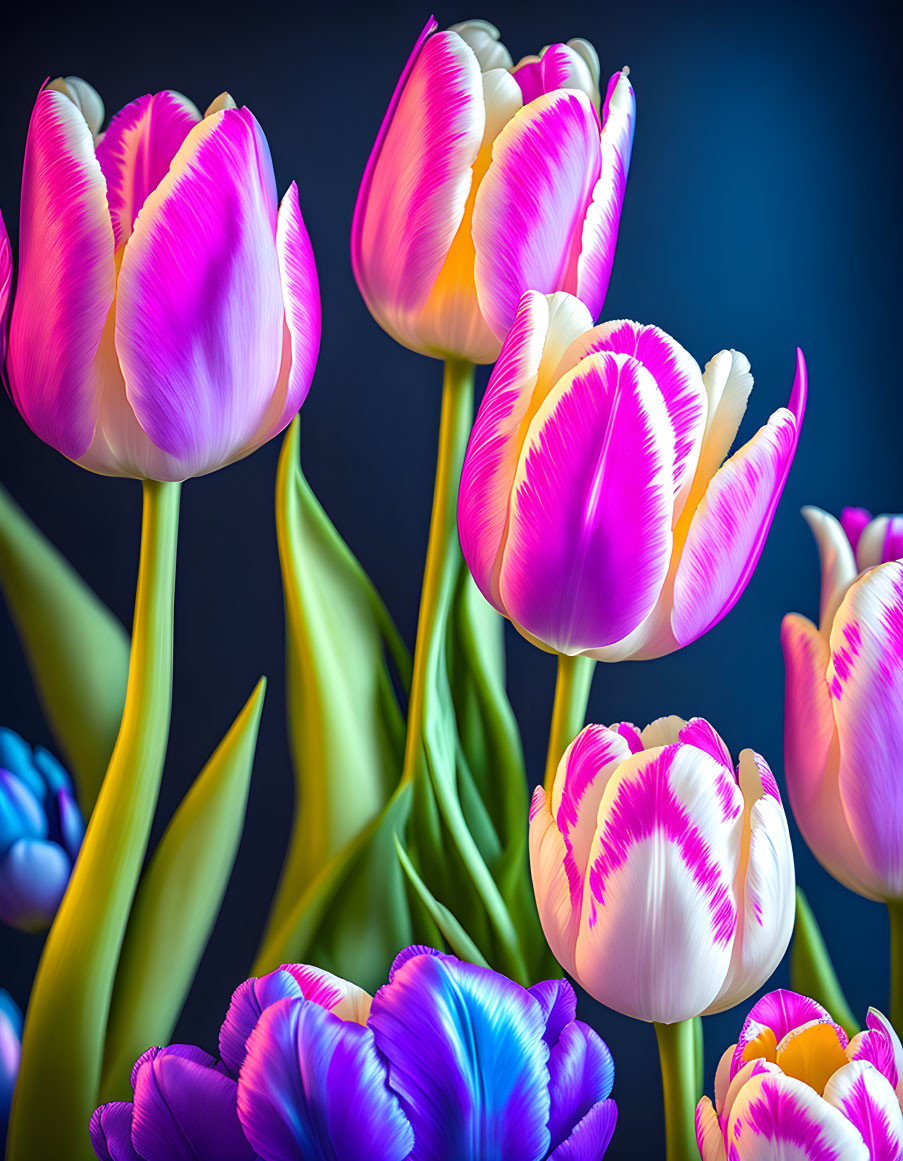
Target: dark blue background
762,212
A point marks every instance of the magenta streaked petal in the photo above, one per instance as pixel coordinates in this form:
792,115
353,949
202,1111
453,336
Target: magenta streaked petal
85,98
709,1138
589,537
111,1132
838,566
603,216
590,1138
865,678
66,278
703,735
880,1045
630,734
137,149
530,207
6,279
869,1103
880,542
854,522
341,997
728,530
552,886
199,323
659,888
780,1012
559,66
417,182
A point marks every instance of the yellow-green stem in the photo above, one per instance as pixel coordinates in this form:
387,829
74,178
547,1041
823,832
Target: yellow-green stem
677,1052
575,675
63,1044
895,911
442,549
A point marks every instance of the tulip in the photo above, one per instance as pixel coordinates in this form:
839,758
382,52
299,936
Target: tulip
794,1086
488,179
10,1051
448,1062
6,275
166,319
41,830
844,714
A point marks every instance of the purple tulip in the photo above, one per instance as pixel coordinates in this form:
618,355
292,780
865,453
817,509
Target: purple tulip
449,1062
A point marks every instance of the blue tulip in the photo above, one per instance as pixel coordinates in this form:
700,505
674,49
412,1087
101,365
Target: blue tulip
10,1051
41,830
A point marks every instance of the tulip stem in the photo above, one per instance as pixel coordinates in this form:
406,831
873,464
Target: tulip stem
575,676
677,1052
443,553
63,1045
895,911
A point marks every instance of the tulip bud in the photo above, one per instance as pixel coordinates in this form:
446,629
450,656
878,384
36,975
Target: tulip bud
488,179
596,509
794,1086
41,830
167,317
664,880
844,704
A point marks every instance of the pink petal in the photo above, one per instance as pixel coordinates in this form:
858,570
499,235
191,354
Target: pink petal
559,917
854,522
709,1138
531,205
880,1045
417,181
869,1103
542,327
838,568
659,915
66,277
590,527
603,216
6,278
728,529
137,149
780,1011
703,735
559,66
866,682
341,997
199,324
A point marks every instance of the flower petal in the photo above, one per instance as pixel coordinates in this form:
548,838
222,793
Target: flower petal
838,566
417,181
776,1014
709,1138
314,1086
553,889
111,1132
559,66
137,149
581,1072
869,1102
483,39
341,997
590,526
467,1058
6,279
880,1045
249,1000
558,1001
85,98
728,384
881,541
590,1138
33,878
66,278
659,888
199,324
531,205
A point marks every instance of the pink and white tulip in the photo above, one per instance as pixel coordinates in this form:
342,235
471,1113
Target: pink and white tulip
167,318
596,508
488,179
663,877
844,704
793,1086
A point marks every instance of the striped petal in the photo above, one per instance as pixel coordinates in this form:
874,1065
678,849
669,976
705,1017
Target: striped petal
591,1136
771,1019
111,1132
6,279
85,98
559,66
467,1058
313,1088
599,237
590,526
137,149
838,566
532,203
765,887
417,182
542,327
869,1102
730,525
865,677
66,278
880,1045
709,1138
341,997
199,326
778,1118
659,915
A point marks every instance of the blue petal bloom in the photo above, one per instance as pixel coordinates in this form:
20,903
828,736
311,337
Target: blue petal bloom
10,1052
41,830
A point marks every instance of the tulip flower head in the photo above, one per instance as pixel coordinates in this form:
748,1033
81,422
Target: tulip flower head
41,831
488,179
166,319
664,879
596,509
794,1086
844,704
10,1053
448,1061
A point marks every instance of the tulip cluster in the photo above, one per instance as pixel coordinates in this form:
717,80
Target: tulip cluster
447,1061
794,1085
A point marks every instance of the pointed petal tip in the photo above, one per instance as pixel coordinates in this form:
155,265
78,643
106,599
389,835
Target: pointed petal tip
799,394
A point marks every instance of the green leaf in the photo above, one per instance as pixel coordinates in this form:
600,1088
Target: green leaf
77,651
811,971
177,902
346,729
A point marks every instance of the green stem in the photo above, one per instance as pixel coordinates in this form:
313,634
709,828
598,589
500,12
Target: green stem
443,553
63,1044
895,911
677,1051
575,676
